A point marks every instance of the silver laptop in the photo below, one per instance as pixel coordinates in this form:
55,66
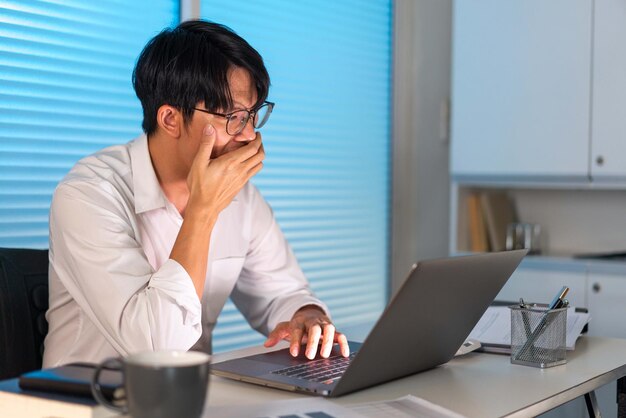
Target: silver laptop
422,327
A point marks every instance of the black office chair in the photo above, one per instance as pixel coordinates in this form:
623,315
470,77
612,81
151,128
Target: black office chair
23,304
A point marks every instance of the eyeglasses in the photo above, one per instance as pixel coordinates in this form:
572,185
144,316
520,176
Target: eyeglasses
236,121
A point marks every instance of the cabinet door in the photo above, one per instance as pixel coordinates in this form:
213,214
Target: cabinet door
607,293
540,285
608,145
521,88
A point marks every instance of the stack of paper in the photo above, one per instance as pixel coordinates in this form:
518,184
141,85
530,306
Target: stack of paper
495,327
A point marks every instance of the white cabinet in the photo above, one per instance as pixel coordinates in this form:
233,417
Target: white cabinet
539,90
608,147
607,303
521,88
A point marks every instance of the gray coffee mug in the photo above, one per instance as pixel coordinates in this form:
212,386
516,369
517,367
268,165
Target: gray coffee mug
159,384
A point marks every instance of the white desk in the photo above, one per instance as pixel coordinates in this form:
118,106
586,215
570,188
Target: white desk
475,385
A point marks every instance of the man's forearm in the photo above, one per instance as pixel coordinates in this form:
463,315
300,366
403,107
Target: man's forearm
191,249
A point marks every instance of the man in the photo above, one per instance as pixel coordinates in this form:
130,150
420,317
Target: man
148,239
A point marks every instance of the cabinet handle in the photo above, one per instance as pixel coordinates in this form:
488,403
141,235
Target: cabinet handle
599,160
596,288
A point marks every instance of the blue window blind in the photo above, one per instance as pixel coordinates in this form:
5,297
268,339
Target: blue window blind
65,92
327,171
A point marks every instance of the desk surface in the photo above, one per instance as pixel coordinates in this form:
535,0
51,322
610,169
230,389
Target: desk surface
475,385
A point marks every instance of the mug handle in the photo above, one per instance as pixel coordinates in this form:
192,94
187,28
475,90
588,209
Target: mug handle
96,389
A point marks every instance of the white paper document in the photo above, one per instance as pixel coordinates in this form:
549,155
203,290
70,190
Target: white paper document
406,407
314,407
309,407
495,326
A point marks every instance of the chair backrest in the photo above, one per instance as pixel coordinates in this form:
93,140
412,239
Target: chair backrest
23,305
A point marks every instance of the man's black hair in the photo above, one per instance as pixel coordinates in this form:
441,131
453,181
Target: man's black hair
189,64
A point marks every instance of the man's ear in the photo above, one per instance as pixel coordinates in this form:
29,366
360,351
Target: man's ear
170,120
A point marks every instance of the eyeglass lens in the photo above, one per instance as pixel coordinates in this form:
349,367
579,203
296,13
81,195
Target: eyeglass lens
238,120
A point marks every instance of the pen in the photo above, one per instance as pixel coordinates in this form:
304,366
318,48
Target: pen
525,319
559,299
556,303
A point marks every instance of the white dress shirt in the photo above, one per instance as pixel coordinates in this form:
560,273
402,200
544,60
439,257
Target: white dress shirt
113,288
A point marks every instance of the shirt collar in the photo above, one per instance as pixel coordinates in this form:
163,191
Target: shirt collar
148,192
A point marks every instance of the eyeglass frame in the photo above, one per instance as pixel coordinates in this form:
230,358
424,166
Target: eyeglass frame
251,114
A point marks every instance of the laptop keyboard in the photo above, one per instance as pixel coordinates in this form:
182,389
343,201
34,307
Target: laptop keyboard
324,370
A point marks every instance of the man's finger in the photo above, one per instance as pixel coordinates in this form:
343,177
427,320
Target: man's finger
256,158
314,334
327,340
260,149
255,164
254,170
247,151
343,344
275,336
280,332
295,341
206,145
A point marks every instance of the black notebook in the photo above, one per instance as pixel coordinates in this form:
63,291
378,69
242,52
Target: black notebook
72,379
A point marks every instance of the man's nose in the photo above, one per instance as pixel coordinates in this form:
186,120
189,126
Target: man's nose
248,133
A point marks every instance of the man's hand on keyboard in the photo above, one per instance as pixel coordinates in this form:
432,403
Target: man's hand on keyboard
309,324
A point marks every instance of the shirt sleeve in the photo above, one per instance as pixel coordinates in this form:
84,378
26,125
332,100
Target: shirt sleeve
97,257
271,287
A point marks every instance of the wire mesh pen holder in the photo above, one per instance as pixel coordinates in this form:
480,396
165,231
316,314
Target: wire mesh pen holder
538,336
